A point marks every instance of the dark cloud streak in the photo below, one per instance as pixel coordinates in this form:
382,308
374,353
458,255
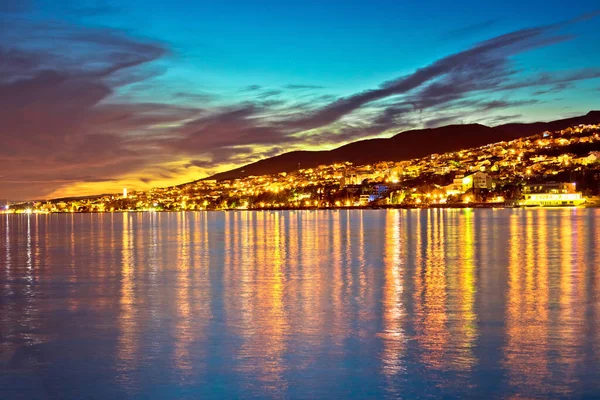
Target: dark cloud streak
470,30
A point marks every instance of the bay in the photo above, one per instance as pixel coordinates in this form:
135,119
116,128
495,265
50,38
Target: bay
301,304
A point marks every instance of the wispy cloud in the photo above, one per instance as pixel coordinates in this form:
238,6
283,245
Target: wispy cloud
469,30
301,87
554,88
65,121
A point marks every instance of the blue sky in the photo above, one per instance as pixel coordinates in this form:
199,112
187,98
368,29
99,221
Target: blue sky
346,45
102,94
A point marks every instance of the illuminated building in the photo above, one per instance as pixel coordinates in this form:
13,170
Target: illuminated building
456,187
477,180
364,199
550,187
552,199
551,195
124,193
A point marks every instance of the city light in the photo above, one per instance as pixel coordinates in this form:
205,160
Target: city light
477,175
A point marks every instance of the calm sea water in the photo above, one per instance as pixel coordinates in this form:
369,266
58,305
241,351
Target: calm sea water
301,304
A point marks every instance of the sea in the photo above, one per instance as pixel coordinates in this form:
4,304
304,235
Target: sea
315,304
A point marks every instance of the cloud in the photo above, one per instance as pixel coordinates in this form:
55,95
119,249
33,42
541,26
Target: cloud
555,88
269,93
56,122
503,104
231,126
67,118
196,97
555,78
469,30
502,119
301,87
481,67
252,88
440,121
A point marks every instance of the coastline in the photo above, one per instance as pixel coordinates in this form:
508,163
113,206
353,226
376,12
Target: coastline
469,206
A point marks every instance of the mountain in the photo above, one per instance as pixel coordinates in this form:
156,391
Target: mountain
404,146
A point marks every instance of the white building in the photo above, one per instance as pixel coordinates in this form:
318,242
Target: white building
551,195
477,180
364,199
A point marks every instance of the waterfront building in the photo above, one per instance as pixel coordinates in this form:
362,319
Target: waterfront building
551,194
550,187
364,199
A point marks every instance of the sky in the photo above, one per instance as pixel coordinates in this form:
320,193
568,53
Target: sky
100,95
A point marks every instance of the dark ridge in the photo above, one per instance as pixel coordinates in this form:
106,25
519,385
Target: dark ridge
404,146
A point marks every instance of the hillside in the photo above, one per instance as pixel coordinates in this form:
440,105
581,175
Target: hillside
404,146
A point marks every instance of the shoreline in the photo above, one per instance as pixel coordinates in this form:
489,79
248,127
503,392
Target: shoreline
382,207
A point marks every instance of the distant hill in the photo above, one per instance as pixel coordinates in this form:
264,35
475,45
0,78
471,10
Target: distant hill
404,146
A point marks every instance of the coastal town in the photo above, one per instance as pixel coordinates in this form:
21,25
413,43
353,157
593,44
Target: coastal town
560,168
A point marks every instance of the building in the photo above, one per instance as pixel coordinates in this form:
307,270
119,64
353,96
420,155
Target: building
550,187
379,191
591,158
461,183
477,180
353,178
364,199
552,194
456,187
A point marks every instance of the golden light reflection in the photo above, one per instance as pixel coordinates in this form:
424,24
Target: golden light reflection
394,336
264,320
464,332
348,272
310,261
73,272
127,347
29,252
340,324
527,323
184,333
7,316
570,324
201,297
430,292
365,275
436,293
7,248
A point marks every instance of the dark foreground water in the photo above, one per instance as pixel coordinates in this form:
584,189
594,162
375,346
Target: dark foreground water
301,304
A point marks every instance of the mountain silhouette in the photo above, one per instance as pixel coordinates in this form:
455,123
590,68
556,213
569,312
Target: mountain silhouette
404,146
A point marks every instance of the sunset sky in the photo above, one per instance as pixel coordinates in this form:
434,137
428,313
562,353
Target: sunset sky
96,96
